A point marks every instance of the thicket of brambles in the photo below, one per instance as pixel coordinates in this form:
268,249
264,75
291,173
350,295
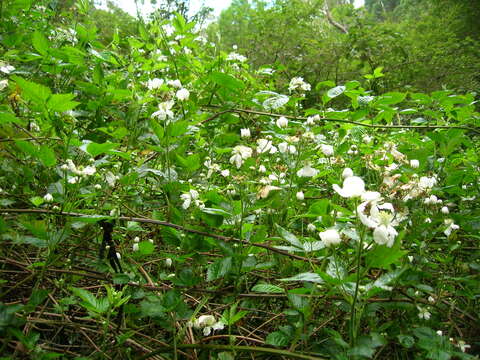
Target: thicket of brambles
275,185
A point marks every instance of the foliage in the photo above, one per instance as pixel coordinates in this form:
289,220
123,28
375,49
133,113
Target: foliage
163,198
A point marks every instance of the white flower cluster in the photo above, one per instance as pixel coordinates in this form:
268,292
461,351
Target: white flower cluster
80,171
164,110
213,167
233,56
207,323
240,154
191,195
379,217
299,83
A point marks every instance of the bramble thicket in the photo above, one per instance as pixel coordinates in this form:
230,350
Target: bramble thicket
292,180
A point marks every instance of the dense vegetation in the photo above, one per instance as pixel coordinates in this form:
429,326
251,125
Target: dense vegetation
296,180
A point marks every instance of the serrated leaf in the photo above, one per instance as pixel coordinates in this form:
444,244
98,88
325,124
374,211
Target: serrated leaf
40,43
277,338
157,129
219,268
47,156
6,118
336,91
145,247
32,91
275,102
268,288
61,102
307,276
95,149
227,81
292,239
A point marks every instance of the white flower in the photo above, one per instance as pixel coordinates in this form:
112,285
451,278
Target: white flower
135,247
311,227
245,133
380,220
208,323
188,197
73,180
432,200
300,195
240,153
423,313
451,226
330,237
327,150
299,83
225,173
175,83
88,171
428,220
183,94
136,239
463,346
7,69
347,172
168,262
445,210
431,299
262,168
366,139
236,57
119,256
283,147
414,164
97,186
154,83
3,84
282,122
439,332
307,171
427,182
353,186
48,197
164,110
263,145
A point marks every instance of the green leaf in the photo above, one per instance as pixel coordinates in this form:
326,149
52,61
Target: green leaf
61,102
95,149
37,200
319,208
268,288
190,163
382,256
307,276
178,128
27,147
47,156
227,81
219,268
157,129
277,338
390,98
33,91
6,118
146,247
292,239
336,91
40,43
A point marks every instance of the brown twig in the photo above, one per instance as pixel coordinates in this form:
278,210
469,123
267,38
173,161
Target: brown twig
162,223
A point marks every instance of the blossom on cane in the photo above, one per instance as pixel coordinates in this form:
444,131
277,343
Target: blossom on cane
381,219
183,94
353,186
330,237
307,171
240,153
245,133
164,110
208,323
347,172
188,197
282,122
327,150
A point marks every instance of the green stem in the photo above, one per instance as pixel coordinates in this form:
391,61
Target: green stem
353,311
